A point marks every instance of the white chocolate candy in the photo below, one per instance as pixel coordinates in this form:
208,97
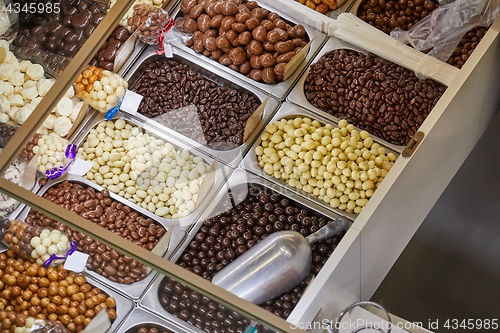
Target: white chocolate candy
50,146
50,242
107,91
143,169
340,166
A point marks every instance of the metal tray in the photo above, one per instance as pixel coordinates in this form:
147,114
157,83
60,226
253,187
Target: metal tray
221,174
298,97
279,90
140,317
288,110
133,290
237,184
231,157
123,304
306,19
239,180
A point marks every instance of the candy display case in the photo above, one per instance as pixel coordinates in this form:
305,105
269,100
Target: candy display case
378,234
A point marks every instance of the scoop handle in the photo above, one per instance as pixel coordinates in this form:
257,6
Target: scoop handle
329,230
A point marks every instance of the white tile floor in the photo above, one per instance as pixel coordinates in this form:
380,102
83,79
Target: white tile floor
451,267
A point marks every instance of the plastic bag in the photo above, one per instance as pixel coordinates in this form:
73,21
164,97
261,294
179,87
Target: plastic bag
148,22
14,173
443,29
104,88
6,133
53,64
37,244
20,323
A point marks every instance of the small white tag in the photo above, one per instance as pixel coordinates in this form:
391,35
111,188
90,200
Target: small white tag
167,48
100,323
76,262
80,167
131,102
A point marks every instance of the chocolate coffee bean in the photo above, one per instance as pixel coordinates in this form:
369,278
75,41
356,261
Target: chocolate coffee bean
221,112
378,96
225,237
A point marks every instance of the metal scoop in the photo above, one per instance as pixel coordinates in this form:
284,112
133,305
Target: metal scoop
275,265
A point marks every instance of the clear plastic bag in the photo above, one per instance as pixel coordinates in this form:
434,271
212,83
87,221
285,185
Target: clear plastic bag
442,30
7,132
148,22
20,323
34,243
104,88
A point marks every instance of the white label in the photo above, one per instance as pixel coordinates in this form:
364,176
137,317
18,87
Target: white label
99,324
76,262
167,48
131,101
80,167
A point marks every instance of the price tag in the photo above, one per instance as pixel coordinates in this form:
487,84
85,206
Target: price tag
131,102
80,167
76,262
167,48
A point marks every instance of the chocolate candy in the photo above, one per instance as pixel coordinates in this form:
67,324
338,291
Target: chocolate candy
222,112
386,15
62,33
149,328
466,46
371,93
321,6
52,295
232,32
223,238
6,133
106,56
99,208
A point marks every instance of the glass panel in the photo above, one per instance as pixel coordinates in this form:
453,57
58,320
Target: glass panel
35,286
52,32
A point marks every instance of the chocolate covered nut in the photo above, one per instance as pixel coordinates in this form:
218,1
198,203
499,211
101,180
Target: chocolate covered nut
377,100
186,5
286,57
284,47
216,21
256,74
229,8
203,22
268,75
388,15
259,34
267,60
196,11
279,69
237,56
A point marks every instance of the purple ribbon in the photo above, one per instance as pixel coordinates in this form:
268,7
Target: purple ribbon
70,153
53,257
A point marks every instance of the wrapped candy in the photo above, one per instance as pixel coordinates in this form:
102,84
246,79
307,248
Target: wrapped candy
105,88
148,22
38,244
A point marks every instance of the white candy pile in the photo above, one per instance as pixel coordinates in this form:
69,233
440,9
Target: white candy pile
341,166
50,150
50,242
22,86
143,169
